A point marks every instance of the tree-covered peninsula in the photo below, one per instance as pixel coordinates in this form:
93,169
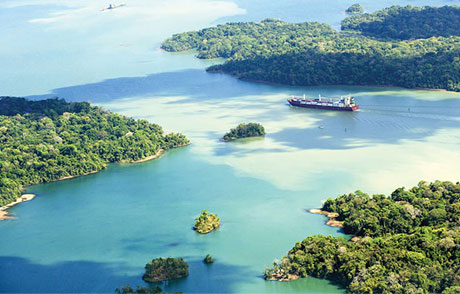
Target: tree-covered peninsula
313,53
206,222
48,140
244,131
408,242
162,269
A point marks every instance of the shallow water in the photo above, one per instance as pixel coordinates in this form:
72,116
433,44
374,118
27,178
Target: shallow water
95,233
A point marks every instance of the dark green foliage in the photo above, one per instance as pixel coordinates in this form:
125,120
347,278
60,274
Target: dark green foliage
426,260
238,41
206,222
128,290
244,131
43,141
407,22
50,107
415,246
208,259
355,8
161,269
434,205
384,66
315,54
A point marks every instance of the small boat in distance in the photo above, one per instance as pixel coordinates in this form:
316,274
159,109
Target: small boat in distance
113,6
346,103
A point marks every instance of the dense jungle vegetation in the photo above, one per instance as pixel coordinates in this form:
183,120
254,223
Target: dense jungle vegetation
43,141
313,53
139,290
407,22
355,8
244,131
162,269
408,242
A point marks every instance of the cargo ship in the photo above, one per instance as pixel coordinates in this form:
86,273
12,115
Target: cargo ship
346,103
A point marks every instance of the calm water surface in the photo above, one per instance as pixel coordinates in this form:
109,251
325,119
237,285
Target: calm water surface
95,233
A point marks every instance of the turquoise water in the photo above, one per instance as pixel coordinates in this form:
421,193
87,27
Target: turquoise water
95,233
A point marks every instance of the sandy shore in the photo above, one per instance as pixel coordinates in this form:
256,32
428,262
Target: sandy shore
4,215
71,177
23,198
284,278
158,154
331,215
430,89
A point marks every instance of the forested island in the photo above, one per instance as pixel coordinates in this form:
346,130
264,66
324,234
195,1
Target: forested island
144,290
162,269
244,131
208,259
206,222
49,140
388,48
408,242
354,9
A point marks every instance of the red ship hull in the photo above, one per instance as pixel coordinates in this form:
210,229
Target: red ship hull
345,108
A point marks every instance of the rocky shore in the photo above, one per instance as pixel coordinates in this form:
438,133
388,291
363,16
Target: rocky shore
331,215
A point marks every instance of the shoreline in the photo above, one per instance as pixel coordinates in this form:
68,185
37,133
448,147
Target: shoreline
433,89
204,233
154,156
28,197
331,215
327,85
235,138
283,277
20,199
71,177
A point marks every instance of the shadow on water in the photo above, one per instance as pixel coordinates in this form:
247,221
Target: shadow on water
341,131
193,83
364,128
384,118
212,278
19,275
144,244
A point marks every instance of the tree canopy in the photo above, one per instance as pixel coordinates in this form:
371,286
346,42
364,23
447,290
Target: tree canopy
144,290
407,22
244,131
434,205
43,141
312,53
206,222
208,259
408,242
355,8
162,269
